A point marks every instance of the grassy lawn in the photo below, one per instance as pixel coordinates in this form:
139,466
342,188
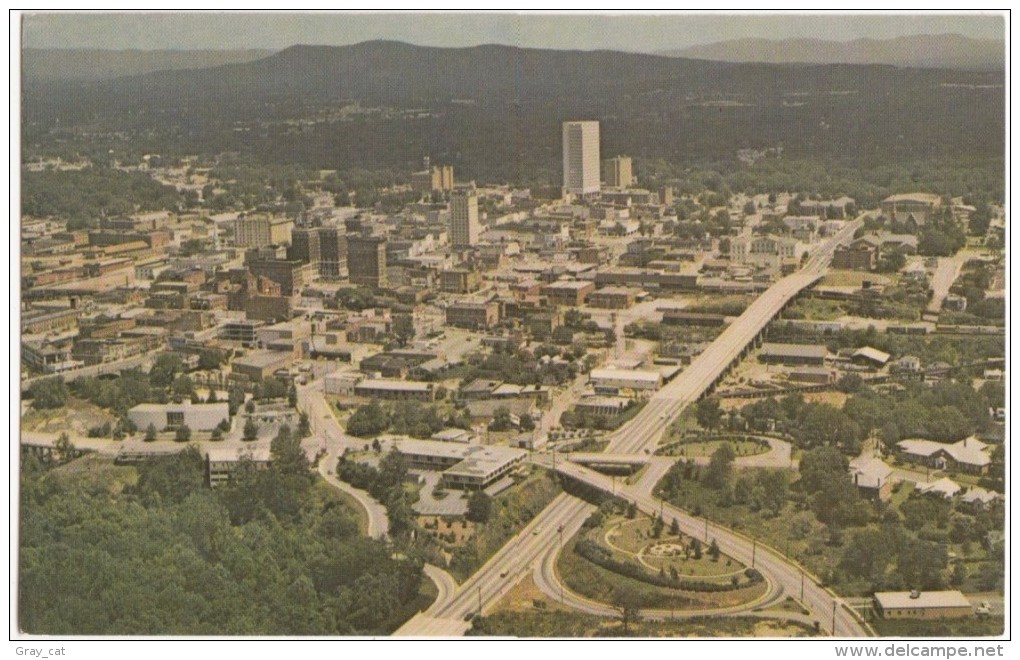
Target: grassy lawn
627,538
705,448
597,583
817,309
729,305
351,504
76,418
97,472
836,399
851,278
963,627
549,623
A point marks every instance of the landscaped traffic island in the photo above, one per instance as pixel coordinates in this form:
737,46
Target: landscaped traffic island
649,562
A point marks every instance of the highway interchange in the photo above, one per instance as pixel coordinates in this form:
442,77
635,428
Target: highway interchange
542,538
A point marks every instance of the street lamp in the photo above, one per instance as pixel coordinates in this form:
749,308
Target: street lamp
559,530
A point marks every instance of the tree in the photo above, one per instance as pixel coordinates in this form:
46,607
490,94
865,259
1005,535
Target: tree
235,399
769,491
183,433
251,430
164,369
713,550
392,468
501,420
212,398
628,602
292,396
821,466
479,507
720,467
150,432
49,393
249,407
368,420
921,564
217,434
288,456
527,423
65,448
709,413
674,528
696,548
182,386
304,425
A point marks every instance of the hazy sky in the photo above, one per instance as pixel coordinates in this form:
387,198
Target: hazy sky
157,31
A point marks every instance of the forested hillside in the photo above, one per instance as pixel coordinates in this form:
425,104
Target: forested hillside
272,554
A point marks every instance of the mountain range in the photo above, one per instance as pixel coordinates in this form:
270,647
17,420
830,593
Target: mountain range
929,51
41,64
496,110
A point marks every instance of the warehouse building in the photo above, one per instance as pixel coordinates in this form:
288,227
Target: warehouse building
793,354
922,605
395,390
611,380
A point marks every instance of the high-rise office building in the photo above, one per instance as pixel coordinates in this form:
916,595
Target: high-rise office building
464,225
260,231
366,260
332,252
617,172
304,245
581,157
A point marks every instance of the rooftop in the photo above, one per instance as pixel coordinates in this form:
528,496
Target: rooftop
795,350
902,599
628,374
403,385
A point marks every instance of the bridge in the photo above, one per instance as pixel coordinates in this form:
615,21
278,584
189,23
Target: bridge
643,433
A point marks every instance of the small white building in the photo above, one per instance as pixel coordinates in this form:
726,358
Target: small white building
629,379
196,416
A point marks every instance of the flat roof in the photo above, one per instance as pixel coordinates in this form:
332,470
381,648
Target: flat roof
569,285
229,455
483,461
616,291
186,405
626,374
432,448
925,599
263,359
795,350
403,385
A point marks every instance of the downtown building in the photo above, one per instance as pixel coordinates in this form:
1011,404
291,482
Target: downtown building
464,226
366,260
581,163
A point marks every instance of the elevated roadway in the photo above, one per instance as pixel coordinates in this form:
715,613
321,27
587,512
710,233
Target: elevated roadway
642,434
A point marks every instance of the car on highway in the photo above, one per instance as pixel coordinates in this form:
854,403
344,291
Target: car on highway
504,574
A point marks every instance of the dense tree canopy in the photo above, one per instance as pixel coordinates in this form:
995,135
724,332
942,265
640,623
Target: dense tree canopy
267,555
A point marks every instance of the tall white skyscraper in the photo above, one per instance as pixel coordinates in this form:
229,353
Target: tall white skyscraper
464,225
581,157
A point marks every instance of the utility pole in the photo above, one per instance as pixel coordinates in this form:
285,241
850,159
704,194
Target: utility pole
802,585
833,617
559,530
754,551
706,529
479,600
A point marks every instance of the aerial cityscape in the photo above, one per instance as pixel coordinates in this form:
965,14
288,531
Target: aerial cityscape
376,338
